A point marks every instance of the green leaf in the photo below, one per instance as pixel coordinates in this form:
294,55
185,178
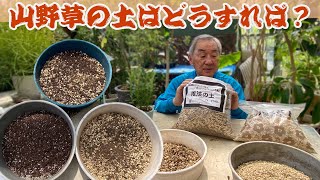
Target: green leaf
306,83
309,94
309,47
285,96
167,34
265,94
103,42
316,70
299,95
316,113
229,59
316,28
275,92
272,31
278,79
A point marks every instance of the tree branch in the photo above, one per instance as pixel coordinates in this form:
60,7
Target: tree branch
293,67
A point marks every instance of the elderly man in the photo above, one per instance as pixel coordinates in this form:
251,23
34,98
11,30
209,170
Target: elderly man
204,55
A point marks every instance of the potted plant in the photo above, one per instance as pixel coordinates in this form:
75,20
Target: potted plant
19,51
298,52
141,85
114,43
121,86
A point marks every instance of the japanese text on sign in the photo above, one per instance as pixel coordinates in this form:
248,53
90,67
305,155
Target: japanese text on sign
205,95
148,16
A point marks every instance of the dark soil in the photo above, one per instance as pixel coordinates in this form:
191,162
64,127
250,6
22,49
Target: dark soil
146,108
37,144
72,78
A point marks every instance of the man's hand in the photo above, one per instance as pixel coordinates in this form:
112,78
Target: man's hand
178,99
234,98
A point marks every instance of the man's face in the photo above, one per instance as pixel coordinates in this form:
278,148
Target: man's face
205,58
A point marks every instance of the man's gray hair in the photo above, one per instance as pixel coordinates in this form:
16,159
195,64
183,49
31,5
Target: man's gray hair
204,37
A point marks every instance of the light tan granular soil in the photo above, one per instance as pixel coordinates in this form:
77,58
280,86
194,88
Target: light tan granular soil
265,170
115,146
72,78
177,156
203,120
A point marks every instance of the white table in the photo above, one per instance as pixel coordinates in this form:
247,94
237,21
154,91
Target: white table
216,162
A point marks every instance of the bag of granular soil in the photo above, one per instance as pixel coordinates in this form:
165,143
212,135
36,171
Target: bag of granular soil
206,108
274,124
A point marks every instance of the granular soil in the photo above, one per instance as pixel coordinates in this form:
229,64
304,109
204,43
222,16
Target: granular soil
115,146
177,157
268,170
72,78
37,145
203,120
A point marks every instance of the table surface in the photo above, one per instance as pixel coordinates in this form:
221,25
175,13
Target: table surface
216,162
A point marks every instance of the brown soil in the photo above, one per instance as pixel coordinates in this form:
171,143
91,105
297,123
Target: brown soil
115,146
146,108
37,144
72,78
177,156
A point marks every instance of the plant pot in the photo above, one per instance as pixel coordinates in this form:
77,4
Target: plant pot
150,113
276,152
123,95
29,106
79,46
112,98
25,87
141,117
307,118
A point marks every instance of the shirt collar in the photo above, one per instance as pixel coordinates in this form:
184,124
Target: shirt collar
215,75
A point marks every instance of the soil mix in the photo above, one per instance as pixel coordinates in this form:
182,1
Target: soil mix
37,145
268,170
72,78
115,146
177,157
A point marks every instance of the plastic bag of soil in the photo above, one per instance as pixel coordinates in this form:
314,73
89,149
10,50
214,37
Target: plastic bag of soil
206,108
274,123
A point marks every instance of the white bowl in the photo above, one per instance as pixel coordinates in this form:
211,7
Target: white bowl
29,106
140,116
190,140
276,152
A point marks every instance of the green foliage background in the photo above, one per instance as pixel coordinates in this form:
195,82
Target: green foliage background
19,50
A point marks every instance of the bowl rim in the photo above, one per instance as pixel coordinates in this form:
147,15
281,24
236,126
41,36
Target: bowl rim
107,81
190,167
77,151
263,142
72,129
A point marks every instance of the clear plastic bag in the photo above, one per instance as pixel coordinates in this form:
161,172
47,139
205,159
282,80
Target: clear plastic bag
206,108
274,123
249,106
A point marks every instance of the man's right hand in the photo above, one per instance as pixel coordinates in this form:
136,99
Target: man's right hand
178,99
